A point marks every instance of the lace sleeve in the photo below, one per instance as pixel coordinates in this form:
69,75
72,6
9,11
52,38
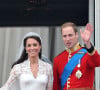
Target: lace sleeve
50,78
12,82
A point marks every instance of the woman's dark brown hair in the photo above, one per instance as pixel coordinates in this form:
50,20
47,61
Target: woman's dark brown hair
24,55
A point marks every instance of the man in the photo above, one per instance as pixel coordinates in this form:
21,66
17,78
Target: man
74,68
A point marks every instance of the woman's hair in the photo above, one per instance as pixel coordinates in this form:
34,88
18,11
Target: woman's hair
24,55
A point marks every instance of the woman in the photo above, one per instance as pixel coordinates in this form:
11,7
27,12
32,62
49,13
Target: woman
30,72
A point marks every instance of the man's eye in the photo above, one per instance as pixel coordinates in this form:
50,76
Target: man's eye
64,36
70,35
35,44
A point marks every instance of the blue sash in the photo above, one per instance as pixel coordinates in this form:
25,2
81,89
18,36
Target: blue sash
71,65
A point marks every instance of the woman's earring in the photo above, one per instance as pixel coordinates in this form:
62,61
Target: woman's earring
39,51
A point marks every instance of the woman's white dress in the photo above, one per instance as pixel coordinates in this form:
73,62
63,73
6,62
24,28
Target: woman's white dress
21,77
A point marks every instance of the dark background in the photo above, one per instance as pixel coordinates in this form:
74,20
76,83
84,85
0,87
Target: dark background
43,12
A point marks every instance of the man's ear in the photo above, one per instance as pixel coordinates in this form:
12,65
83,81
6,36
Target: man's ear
77,35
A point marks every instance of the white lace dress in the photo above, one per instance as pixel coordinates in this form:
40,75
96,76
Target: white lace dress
21,77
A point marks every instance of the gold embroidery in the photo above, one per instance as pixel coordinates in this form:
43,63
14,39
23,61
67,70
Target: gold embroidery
76,47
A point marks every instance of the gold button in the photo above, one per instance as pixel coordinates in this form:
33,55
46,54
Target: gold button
68,86
70,55
68,78
68,82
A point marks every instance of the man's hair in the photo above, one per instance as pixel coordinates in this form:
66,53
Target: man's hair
67,24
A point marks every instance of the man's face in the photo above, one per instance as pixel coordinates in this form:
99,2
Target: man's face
69,37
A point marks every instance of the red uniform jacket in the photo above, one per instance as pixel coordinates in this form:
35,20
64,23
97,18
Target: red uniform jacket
88,64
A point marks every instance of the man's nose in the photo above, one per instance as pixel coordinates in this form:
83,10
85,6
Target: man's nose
67,38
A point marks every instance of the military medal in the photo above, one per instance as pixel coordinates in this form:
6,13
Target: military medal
78,65
78,73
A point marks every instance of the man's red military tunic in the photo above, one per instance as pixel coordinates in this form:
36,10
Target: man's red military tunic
87,68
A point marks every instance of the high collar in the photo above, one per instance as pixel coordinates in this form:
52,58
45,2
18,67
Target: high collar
28,62
76,47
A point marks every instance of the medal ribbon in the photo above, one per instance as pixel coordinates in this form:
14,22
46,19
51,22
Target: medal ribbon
71,65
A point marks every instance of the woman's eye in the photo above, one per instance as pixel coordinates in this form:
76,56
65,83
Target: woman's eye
28,45
35,44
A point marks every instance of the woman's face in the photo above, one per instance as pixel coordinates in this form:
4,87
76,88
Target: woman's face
32,47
